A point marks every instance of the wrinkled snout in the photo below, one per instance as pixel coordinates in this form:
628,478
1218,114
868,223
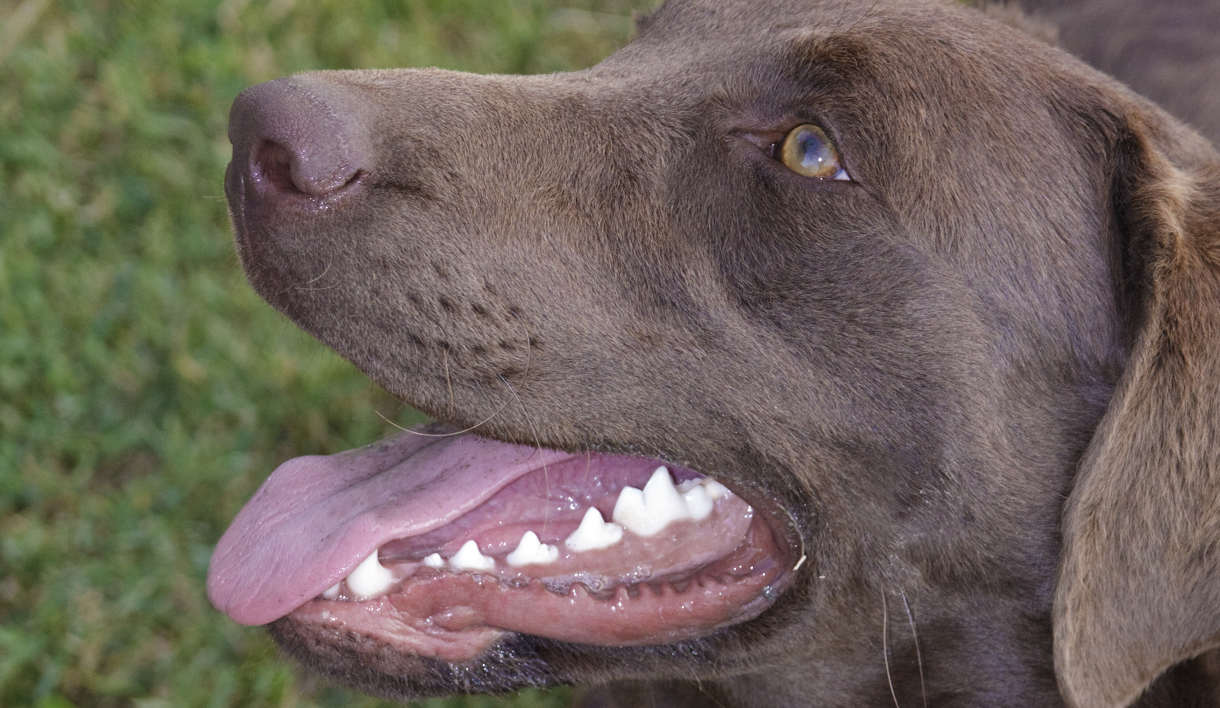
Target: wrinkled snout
295,144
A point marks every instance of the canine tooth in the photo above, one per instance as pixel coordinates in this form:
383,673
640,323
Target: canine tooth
662,498
331,592
370,578
531,551
468,557
434,560
645,512
698,502
593,533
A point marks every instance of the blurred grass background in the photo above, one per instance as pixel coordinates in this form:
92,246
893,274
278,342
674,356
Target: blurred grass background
145,391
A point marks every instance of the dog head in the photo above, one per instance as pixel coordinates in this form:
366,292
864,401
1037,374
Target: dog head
937,303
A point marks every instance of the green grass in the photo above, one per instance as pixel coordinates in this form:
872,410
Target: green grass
145,391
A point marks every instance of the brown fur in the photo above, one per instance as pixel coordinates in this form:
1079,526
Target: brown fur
1138,590
983,382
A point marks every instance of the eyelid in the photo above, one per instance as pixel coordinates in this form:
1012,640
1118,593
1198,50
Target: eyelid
770,140
764,140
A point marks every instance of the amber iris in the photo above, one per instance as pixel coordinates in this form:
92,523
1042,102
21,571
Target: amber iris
809,152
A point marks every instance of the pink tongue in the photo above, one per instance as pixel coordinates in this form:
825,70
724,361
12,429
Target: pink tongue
316,518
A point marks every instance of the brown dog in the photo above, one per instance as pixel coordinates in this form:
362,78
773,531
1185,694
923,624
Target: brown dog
938,304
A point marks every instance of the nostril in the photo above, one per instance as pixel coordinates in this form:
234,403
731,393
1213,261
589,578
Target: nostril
297,137
280,168
272,164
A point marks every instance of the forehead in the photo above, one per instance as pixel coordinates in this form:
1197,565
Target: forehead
724,20
916,52
900,28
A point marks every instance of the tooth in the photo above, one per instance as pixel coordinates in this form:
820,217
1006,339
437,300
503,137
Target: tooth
646,512
469,558
331,592
531,551
370,578
662,499
698,502
434,561
715,489
629,510
594,533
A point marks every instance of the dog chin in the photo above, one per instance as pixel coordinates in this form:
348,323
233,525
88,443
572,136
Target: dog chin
512,662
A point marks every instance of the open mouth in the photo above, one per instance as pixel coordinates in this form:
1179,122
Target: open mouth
437,544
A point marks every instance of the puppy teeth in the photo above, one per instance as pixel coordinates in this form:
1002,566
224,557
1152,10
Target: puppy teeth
645,512
331,592
434,561
715,490
664,503
593,533
698,502
531,551
629,510
370,578
468,557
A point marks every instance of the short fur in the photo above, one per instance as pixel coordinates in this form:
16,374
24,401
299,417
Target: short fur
983,381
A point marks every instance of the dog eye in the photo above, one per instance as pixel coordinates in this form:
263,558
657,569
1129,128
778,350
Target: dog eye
808,151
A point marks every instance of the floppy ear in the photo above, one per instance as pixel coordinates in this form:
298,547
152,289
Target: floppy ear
1139,584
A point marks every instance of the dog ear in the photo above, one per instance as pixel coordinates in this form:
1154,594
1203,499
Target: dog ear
1139,584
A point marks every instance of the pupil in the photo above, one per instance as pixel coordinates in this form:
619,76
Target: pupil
813,149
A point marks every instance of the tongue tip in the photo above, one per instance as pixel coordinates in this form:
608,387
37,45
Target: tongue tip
227,597
277,591
251,611
223,597
244,594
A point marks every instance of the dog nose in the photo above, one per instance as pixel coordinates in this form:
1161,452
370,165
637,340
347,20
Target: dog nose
294,137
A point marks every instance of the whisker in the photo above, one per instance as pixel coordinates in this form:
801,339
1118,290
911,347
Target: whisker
918,656
305,286
455,433
481,423
307,289
885,647
319,276
546,472
448,379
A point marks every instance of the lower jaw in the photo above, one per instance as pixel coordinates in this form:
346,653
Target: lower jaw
457,617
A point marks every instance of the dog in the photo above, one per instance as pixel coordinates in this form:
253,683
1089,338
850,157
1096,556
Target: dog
802,352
